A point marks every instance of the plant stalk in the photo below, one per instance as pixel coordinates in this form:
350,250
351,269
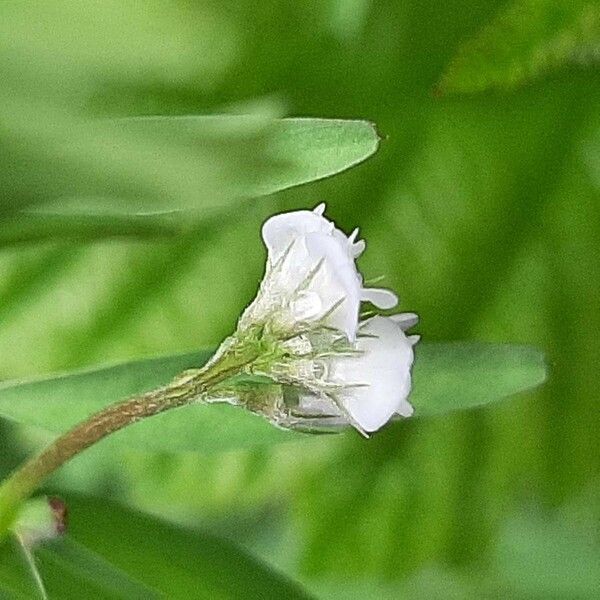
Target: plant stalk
185,389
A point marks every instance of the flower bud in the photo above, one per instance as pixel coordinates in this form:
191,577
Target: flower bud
41,519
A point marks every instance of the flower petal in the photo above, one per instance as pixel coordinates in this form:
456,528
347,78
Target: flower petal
378,382
337,283
380,297
318,259
405,320
280,231
311,275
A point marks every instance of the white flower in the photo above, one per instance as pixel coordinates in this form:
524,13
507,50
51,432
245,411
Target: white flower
302,333
372,385
311,276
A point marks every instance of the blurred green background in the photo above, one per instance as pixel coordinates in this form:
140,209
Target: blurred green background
480,208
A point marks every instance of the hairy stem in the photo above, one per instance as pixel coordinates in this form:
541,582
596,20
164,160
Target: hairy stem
183,390
26,479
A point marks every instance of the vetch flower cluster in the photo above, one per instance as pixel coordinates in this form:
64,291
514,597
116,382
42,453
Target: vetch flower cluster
331,368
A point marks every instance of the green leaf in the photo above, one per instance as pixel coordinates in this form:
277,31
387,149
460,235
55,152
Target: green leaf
292,151
447,377
113,552
55,60
112,174
526,40
17,578
312,149
68,570
462,375
28,227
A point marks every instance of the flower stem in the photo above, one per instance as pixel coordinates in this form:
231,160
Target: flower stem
185,389
26,479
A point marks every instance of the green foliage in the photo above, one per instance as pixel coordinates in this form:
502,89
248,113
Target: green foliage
136,171
123,554
527,39
17,580
541,559
481,211
311,149
464,375
94,176
49,146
